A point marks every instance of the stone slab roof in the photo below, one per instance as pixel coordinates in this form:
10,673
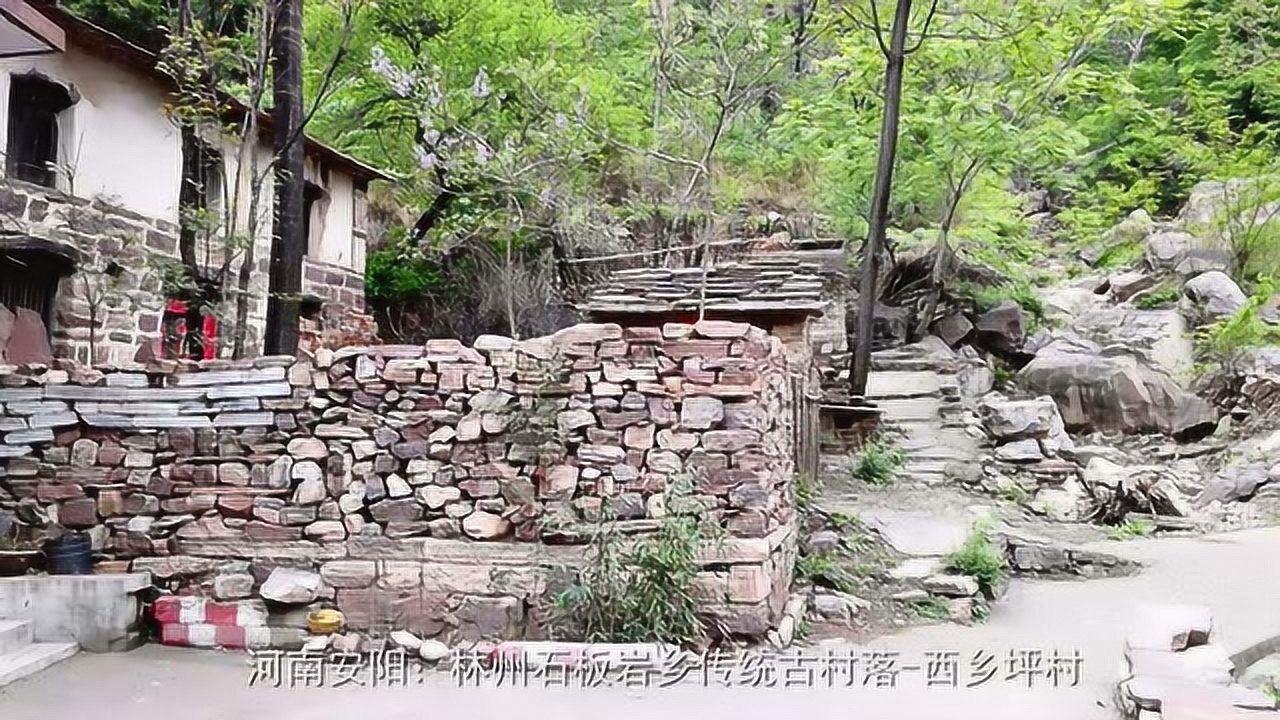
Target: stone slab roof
758,285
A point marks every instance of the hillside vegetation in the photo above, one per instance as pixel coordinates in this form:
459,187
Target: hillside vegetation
532,133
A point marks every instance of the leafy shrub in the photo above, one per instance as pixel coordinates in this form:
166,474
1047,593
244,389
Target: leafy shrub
980,559
1246,329
642,591
826,569
879,461
930,609
1158,297
1133,527
804,490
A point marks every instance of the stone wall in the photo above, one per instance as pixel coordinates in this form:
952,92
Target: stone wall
342,318
439,488
114,288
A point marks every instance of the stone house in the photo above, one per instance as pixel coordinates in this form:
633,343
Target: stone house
90,210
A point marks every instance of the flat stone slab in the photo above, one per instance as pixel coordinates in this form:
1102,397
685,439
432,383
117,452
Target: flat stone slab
916,533
916,568
902,384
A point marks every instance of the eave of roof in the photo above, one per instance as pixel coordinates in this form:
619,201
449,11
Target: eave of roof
110,46
44,33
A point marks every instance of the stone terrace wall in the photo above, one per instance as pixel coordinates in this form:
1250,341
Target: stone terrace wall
438,489
95,234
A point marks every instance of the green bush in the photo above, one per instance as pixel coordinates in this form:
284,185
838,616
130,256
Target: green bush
879,461
1132,528
1246,329
825,569
980,559
641,591
1161,296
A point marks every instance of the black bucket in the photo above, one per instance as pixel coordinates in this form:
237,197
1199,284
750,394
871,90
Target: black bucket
70,554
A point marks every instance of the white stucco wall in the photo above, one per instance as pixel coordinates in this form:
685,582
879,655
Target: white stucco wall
116,139
331,223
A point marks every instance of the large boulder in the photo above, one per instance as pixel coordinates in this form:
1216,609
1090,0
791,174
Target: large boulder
1064,304
1136,226
1002,329
1115,392
1238,481
1008,419
1160,337
1215,295
1167,248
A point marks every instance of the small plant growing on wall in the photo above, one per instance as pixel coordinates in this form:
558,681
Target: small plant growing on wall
641,590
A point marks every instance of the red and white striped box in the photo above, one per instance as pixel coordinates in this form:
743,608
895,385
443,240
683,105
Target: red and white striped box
207,635
194,610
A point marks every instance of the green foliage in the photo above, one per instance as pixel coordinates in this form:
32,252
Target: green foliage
1015,494
804,491
394,272
642,591
825,568
1132,527
879,461
1226,338
1162,296
930,609
981,559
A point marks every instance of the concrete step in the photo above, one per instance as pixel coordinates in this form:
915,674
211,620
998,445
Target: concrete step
14,634
32,659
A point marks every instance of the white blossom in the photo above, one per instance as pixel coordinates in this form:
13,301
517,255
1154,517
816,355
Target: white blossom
435,96
483,153
480,86
426,159
562,121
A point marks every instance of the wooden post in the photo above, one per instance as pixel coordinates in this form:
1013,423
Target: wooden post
288,240
895,55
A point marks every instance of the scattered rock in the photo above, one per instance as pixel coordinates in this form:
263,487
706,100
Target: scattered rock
1215,294
951,585
433,651
294,587
1001,329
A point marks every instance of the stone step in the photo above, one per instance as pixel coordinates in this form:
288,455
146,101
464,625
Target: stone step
903,384
14,634
909,409
926,466
33,658
923,435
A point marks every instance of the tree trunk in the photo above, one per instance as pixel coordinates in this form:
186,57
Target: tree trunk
894,58
288,240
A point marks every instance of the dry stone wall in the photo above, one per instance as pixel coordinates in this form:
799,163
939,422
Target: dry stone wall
440,488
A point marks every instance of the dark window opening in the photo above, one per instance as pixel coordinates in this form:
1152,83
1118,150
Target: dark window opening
311,195
29,279
202,175
32,152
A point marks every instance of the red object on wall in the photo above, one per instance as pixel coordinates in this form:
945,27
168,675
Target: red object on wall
179,342
210,337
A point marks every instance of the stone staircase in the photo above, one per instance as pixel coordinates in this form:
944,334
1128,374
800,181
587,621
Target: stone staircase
920,398
20,656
